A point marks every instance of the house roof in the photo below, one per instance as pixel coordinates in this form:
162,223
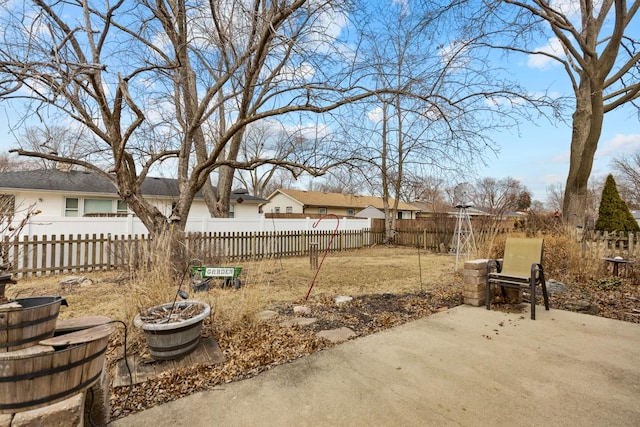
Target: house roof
371,212
91,183
339,200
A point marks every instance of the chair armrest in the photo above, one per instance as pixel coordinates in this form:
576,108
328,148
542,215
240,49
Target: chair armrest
494,264
537,268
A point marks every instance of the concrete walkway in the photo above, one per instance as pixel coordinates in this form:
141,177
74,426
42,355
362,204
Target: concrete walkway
463,367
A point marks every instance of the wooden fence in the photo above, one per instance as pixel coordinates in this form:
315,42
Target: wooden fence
65,254
602,244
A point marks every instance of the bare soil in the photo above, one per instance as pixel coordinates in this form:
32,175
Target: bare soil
389,286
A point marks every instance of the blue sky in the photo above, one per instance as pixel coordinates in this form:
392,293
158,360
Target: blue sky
539,157
537,153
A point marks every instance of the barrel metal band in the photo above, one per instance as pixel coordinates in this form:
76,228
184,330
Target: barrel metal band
53,396
26,340
29,323
52,371
175,347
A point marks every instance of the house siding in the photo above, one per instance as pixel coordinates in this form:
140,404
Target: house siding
282,201
52,204
311,202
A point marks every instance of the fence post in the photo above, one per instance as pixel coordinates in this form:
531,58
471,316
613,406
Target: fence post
313,255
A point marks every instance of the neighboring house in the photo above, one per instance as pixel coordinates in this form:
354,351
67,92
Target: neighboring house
320,203
370,212
57,193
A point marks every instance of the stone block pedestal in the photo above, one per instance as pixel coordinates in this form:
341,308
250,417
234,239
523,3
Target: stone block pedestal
474,279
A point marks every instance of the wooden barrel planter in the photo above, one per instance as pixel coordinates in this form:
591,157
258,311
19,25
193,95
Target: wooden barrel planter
175,338
26,321
53,370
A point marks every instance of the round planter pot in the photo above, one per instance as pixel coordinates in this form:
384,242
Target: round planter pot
174,339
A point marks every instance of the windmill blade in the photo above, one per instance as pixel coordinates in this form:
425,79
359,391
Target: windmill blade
463,195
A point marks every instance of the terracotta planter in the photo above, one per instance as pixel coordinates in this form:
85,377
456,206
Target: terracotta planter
174,339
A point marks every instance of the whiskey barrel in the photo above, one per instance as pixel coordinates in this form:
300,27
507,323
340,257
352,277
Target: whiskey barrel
52,370
172,340
26,321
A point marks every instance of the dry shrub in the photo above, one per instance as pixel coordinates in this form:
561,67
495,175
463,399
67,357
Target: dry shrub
563,257
491,245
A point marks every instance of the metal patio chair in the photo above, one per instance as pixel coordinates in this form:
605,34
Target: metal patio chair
521,268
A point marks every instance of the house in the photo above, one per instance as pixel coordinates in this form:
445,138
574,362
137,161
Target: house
75,193
346,205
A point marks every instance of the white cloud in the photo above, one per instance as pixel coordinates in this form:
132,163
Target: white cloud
375,115
619,144
303,72
309,131
570,8
553,47
455,54
404,5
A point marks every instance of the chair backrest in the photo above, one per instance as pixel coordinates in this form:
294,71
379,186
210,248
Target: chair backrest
519,254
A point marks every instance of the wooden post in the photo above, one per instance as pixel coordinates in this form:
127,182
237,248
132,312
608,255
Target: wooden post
313,255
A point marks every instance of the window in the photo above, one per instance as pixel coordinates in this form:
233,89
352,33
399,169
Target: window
232,211
404,215
276,210
71,207
121,207
93,206
289,209
322,211
351,212
7,204
74,207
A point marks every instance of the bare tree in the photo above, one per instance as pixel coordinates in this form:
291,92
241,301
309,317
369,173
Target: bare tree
10,163
57,140
445,129
627,173
500,196
555,197
150,81
598,50
427,188
340,179
262,139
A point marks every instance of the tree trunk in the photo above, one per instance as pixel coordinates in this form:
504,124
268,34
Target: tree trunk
587,128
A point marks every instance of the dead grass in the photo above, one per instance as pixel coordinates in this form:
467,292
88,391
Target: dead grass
121,296
391,285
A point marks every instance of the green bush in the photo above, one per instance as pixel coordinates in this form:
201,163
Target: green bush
614,214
